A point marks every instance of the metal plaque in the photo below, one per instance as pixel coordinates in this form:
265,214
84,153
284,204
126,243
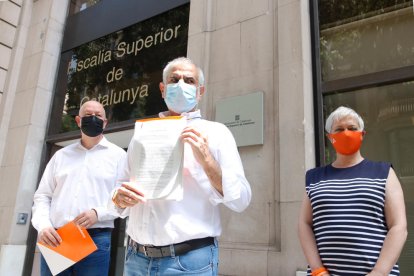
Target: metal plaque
243,115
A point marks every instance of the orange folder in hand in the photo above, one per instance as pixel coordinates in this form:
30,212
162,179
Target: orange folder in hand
76,244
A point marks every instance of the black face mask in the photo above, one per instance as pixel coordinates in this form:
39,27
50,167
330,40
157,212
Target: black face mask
92,126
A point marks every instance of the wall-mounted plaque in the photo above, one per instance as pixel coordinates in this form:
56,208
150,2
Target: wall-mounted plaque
243,115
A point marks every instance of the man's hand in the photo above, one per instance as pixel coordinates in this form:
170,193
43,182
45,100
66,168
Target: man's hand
128,195
198,143
50,237
86,219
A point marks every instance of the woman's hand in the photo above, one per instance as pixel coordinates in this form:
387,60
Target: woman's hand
376,273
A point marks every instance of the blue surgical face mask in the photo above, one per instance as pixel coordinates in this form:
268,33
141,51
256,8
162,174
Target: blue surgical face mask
181,97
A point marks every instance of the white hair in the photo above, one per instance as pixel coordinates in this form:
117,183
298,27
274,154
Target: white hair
182,60
340,113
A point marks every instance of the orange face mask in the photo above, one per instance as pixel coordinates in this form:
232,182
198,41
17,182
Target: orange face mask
346,142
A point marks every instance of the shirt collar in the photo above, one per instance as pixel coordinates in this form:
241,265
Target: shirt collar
189,115
103,143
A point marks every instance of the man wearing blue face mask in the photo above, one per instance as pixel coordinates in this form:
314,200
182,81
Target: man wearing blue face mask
170,237
76,186
181,94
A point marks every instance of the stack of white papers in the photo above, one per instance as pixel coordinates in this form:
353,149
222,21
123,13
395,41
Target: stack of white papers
155,157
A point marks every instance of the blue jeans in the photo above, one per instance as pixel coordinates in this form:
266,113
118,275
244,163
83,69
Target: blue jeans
200,262
96,264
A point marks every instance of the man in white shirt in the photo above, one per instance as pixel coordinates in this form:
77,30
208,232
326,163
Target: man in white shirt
170,237
76,186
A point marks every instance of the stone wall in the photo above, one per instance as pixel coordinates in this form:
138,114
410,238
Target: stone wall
244,46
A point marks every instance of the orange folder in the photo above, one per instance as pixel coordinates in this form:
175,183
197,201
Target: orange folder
76,244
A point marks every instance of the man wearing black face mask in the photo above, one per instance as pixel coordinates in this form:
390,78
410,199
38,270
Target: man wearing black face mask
92,126
76,186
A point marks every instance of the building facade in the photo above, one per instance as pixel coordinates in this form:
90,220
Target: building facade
304,57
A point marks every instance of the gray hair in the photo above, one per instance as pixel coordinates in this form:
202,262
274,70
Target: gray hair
340,113
181,60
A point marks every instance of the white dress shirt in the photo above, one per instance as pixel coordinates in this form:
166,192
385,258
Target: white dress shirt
76,180
163,222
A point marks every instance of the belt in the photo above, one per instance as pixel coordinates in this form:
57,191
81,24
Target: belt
165,251
93,231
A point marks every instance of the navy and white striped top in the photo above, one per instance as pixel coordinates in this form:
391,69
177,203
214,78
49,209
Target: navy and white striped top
348,216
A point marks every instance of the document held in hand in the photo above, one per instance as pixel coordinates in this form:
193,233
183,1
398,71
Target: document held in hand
76,244
155,157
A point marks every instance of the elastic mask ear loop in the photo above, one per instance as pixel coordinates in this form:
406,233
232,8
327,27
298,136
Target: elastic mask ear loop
198,96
